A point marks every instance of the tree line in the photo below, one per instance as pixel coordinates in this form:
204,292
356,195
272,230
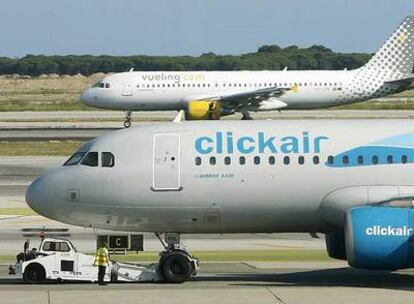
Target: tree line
267,57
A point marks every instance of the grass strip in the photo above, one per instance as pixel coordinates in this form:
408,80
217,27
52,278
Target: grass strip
17,211
36,148
285,255
238,255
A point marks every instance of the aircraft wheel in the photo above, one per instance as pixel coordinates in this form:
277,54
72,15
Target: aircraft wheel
127,123
176,268
34,274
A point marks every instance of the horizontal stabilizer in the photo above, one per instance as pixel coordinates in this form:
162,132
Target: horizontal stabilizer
402,81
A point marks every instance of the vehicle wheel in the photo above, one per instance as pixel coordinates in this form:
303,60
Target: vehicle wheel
127,123
176,268
34,274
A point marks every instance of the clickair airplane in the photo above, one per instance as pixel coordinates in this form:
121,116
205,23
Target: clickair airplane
351,180
211,95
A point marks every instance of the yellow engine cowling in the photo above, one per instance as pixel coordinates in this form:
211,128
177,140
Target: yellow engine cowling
203,110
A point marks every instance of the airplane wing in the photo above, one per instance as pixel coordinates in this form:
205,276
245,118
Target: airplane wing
252,98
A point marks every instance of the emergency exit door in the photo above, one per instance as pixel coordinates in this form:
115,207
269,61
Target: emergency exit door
166,162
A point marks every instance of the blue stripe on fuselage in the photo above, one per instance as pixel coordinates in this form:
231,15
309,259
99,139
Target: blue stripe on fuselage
369,152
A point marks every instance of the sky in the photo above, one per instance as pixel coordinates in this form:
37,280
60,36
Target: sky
193,27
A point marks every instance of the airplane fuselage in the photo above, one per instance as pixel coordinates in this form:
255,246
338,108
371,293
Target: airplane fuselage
232,177
152,91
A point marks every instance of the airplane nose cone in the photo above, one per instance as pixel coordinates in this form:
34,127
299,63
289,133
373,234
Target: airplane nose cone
38,197
87,98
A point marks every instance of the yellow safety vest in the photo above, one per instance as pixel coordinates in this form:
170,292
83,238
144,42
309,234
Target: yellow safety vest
101,258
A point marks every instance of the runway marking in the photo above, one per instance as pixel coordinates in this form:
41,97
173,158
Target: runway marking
278,299
248,265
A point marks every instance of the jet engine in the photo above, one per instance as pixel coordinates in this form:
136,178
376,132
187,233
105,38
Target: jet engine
335,245
380,237
205,110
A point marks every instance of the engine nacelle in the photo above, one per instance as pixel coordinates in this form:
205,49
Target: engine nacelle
203,110
335,245
380,237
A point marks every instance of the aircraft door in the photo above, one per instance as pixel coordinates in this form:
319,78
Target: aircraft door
166,162
126,89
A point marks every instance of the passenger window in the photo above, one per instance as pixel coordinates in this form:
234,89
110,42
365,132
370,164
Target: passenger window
389,159
212,160
107,85
330,159
107,159
375,159
360,159
286,160
345,159
198,161
227,160
63,247
256,160
301,160
49,246
91,159
315,160
242,160
271,160
75,159
101,85
404,159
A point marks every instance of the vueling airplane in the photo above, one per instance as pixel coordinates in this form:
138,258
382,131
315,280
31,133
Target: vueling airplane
352,180
210,95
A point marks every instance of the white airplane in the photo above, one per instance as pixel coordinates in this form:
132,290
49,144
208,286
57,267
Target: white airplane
339,177
210,95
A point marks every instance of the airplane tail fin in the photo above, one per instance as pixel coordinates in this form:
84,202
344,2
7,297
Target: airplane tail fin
397,53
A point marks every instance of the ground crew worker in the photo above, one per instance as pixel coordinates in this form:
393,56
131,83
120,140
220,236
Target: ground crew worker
102,261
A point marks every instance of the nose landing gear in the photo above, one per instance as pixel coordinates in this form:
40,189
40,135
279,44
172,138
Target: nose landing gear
176,264
127,120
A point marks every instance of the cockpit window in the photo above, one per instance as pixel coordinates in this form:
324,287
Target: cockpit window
102,85
91,159
107,159
75,159
99,85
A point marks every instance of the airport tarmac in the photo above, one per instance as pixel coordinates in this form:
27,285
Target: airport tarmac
231,283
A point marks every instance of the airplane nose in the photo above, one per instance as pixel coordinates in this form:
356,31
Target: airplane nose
87,98
38,197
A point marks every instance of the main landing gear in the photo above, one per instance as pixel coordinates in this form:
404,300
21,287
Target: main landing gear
246,115
176,265
127,120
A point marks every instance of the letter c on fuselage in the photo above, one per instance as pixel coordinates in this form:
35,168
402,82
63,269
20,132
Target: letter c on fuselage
204,148
241,147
